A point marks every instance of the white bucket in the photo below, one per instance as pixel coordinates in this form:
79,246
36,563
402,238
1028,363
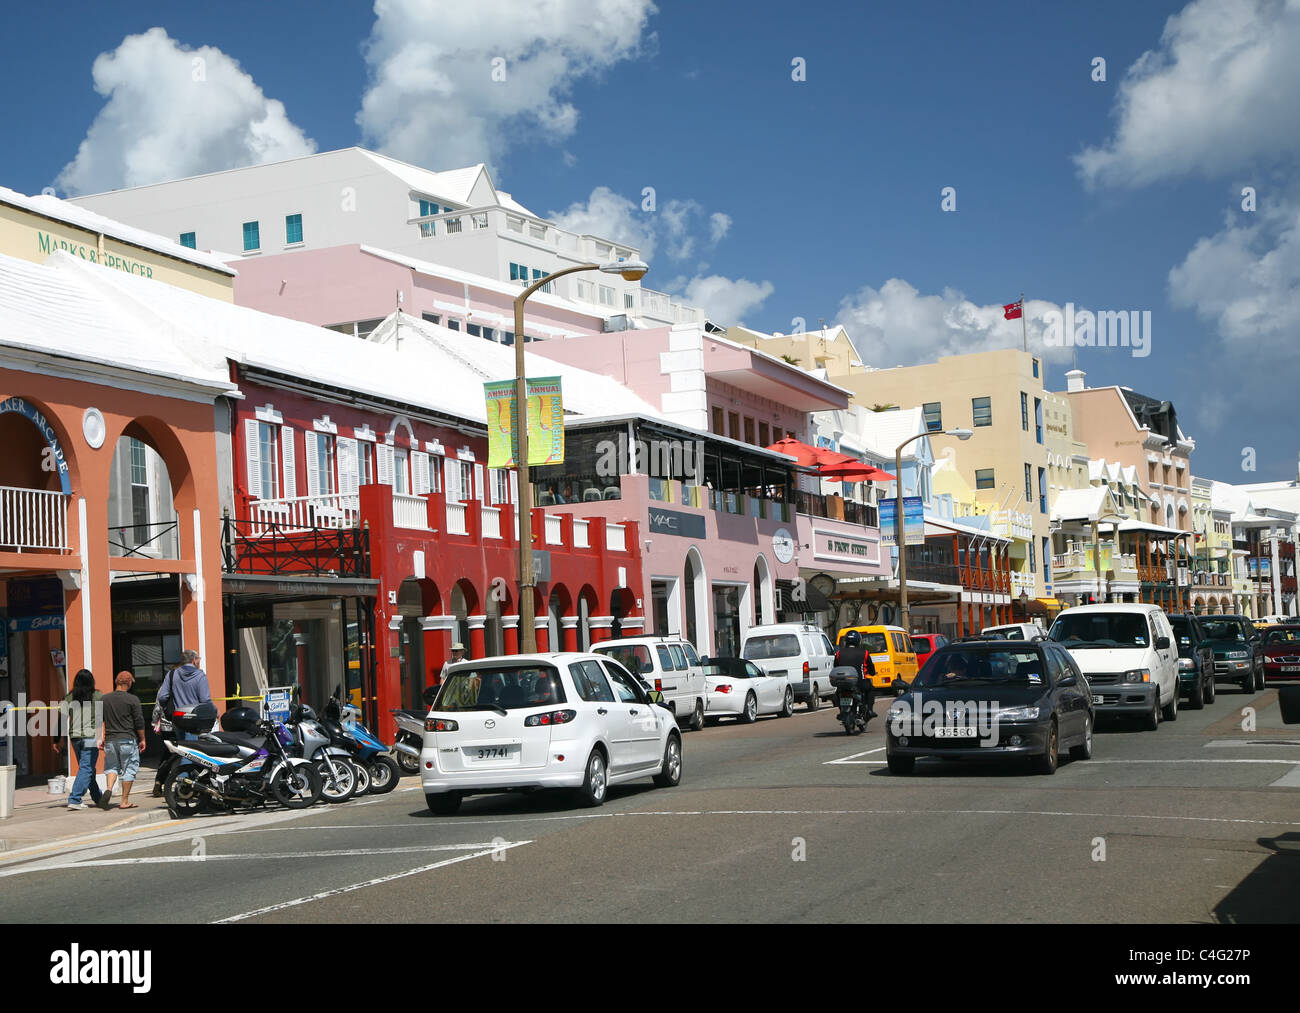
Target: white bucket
56,785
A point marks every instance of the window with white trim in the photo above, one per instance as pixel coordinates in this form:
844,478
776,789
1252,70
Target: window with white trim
401,472
322,457
267,479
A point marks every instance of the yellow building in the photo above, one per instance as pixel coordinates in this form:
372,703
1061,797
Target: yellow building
32,228
829,349
999,395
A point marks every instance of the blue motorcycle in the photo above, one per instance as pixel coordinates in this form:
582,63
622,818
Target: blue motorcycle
371,752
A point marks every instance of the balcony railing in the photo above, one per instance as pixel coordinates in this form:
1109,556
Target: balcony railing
160,540
456,519
491,522
554,531
301,513
410,512
615,537
837,508
264,547
581,534
33,520
933,573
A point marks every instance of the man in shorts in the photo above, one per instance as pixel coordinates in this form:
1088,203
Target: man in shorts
122,737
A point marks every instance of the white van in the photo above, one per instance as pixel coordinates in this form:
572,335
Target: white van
1016,631
798,652
667,664
1129,656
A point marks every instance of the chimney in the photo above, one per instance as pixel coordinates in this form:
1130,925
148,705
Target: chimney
1074,380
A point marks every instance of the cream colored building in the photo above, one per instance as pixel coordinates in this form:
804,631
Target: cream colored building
999,395
829,349
32,228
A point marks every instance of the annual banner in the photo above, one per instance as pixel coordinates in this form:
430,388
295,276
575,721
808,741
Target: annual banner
545,422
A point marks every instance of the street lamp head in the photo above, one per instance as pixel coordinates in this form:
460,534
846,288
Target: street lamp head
961,434
631,270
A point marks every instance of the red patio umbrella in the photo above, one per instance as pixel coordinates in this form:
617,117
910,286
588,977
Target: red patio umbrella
855,472
811,457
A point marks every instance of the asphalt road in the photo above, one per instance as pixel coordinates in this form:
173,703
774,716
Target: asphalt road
784,820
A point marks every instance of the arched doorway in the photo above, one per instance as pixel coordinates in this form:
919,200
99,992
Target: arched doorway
696,597
415,600
764,597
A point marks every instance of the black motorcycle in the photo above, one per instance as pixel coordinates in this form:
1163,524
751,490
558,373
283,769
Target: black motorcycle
850,697
245,768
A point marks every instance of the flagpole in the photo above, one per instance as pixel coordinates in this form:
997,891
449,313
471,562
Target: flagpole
1023,332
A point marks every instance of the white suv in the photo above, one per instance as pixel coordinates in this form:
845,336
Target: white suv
1128,654
528,721
800,653
667,664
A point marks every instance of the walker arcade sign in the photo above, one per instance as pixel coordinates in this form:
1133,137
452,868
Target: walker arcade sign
56,461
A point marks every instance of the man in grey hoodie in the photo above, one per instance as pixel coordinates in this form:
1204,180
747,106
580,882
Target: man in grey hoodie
185,686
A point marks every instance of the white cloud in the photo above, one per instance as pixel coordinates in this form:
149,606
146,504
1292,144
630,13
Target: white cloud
895,325
1219,93
452,84
174,112
727,300
1245,279
676,227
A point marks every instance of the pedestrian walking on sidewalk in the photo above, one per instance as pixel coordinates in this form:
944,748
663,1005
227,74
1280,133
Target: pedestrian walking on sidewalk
81,709
122,737
184,686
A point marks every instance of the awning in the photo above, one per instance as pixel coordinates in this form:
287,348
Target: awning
289,585
1051,603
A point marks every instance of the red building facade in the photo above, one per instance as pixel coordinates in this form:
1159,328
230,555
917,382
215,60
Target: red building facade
365,538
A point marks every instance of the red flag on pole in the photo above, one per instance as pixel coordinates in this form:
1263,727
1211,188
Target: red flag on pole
1012,311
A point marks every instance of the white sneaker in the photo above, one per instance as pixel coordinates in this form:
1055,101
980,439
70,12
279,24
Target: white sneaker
78,805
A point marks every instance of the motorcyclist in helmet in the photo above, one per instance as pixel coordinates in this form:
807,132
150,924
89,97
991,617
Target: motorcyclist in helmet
853,655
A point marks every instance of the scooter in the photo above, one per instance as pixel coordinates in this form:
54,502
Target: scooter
372,754
231,770
196,719
333,760
849,697
410,733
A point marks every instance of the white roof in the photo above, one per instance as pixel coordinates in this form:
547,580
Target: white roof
431,367
84,218
1081,504
884,431
453,184
52,309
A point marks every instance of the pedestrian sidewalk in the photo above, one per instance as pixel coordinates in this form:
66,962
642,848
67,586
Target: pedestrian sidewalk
39,817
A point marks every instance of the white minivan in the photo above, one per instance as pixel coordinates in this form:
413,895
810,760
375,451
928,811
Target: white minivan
667,664
800,653
1128,654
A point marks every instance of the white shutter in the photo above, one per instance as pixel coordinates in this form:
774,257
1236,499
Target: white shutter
349,476
290,485
514,486
419,472
494,479
384,463
451,468
478,482
313,460
253,456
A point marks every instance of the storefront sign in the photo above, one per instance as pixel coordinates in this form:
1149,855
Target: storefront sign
53,459
276,701
845,547
913,521
545,421
674,522
252,615
28,624
50,244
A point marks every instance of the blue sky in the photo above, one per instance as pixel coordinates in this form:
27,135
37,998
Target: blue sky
829,188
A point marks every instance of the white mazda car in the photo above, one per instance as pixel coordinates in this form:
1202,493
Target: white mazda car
528,721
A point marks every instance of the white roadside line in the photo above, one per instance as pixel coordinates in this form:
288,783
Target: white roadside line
1249,743
200,859
270,909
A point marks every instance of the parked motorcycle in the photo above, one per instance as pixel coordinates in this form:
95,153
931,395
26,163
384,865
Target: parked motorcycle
849,696
410,733
373,755
329,753
228,770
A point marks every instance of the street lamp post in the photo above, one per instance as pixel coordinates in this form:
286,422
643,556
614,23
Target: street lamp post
1096,547
904,614
631,270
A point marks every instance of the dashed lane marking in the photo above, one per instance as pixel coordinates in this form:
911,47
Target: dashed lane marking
854,757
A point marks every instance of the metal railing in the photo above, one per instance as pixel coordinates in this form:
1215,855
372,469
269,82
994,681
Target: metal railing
33,519
837,508
299,513
155,546
259,546
410,512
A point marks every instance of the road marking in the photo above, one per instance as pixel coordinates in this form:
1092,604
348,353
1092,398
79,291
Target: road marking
958,812
854,757
192,859
1288,780
369,882
1233,743
1090,763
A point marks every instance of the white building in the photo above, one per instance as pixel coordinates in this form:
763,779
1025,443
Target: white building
353,196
